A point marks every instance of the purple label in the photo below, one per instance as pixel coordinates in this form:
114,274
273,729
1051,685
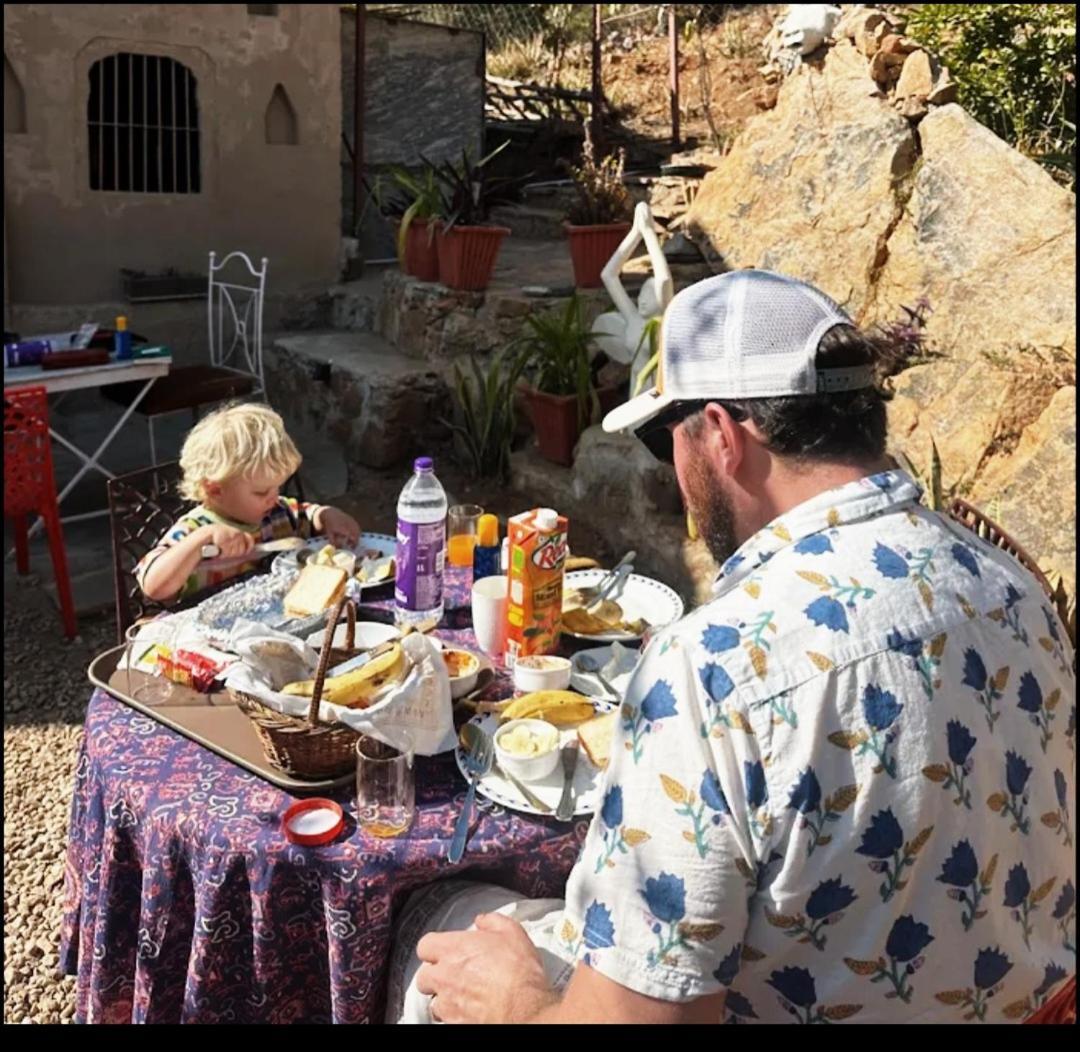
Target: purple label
421,554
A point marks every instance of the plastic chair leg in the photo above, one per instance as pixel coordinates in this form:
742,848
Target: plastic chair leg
60,571
22,544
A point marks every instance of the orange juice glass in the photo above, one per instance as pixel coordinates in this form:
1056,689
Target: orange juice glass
462,523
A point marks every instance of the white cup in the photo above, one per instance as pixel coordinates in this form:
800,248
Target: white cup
490,598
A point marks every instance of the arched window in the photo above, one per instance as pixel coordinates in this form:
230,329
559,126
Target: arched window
143,123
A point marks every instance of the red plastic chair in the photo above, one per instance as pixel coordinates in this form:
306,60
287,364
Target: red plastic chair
30,487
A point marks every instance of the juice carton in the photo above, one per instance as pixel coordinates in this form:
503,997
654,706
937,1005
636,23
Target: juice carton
537,558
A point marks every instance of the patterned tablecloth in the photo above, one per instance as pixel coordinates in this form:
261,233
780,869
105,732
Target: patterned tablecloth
183,900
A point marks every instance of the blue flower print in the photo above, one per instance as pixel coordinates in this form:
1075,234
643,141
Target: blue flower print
1022,900
954,773
883,841
1065,914
815,544
616,836
805,797
1009,615
881,710
824,907
991,967
1027,1006
728,969
965,556
713,795
738,1007
1014,800
883,480
1070,731
798,997
925,657
894,565
599,928
829,613
1051,642
966,884
757,792
731,564
1041,712
829,610
694,805
888,563
718,638
904,949
987,689
665,897
659,704
718,686
1017,886
1059,820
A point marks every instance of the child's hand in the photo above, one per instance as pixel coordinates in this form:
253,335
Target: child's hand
343,531
230,540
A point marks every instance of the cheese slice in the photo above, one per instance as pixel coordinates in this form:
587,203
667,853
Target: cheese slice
316,589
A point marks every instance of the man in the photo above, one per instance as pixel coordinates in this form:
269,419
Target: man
843,789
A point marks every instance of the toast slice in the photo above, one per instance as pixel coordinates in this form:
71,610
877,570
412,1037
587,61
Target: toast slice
316,589
595,736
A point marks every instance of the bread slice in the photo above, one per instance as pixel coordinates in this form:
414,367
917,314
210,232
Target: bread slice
595,736
317,588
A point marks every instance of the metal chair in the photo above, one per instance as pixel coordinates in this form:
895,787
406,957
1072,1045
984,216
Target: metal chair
30,487
235,329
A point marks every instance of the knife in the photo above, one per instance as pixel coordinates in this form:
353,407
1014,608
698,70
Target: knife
212,557
565,810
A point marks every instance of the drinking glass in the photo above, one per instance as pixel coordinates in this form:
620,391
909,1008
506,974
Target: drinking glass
385,786
142,686
462,522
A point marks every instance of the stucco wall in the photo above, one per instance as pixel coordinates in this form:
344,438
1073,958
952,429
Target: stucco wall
66,243
424,93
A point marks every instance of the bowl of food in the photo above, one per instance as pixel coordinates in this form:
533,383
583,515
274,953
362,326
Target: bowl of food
541,672
527,748
463,668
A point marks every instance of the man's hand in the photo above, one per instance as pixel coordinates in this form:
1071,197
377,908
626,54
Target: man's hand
491,975
342,531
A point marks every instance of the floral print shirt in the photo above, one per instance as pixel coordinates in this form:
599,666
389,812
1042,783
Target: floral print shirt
289,518
844,788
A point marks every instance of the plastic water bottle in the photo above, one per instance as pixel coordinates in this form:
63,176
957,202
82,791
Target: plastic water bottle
421,548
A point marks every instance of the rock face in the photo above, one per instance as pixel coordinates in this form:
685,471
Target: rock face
859,183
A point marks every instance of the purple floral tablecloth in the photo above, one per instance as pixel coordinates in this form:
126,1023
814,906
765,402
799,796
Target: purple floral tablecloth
184,902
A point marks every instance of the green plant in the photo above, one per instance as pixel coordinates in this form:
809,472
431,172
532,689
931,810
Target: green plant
485,408
1014,64
466,191
650,336
554,348
601,196
423,189
929,483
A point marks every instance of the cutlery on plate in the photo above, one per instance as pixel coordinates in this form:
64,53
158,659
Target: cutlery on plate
565,810
478,756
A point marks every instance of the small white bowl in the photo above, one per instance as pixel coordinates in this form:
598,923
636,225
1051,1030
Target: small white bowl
368,634
529,768
462,683
541,672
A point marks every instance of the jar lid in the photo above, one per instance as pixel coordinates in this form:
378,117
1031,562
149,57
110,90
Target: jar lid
313,822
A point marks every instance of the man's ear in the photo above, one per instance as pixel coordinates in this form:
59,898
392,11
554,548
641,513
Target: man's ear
726,439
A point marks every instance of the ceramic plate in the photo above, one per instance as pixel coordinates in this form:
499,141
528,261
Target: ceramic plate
384,544
639,597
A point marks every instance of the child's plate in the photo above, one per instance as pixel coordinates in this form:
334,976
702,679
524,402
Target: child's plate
370,545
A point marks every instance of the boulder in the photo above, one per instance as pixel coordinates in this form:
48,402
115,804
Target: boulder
916,77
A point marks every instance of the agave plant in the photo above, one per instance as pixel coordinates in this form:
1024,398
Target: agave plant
467,192
485,404
930,484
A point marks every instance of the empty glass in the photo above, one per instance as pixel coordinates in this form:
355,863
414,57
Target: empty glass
462,523
142,686
385,786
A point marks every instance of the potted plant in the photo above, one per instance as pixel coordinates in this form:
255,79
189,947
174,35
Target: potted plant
467,243
559,392
415,207
600,218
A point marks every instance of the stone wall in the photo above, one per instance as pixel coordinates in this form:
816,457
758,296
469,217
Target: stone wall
870,182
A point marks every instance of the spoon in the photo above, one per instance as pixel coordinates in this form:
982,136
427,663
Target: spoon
587,663
471,737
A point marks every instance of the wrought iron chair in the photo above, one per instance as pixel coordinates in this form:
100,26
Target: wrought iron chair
235,328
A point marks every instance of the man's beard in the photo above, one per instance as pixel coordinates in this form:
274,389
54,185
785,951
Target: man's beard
711,510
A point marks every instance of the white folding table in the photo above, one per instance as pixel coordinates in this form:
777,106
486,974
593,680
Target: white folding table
57,381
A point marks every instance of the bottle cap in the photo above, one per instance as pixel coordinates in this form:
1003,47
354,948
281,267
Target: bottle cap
313,822
121,323
546,518
487,531
423,464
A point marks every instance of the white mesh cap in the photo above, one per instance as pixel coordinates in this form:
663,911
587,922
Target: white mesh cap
746,334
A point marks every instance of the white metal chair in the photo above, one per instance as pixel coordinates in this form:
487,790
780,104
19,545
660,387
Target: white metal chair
235,328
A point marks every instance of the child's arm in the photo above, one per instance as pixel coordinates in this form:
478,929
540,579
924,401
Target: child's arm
163,571
341,529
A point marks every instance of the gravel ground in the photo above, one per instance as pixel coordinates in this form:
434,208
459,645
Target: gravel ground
44,707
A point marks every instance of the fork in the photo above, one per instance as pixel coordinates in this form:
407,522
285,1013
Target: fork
593,593
478,757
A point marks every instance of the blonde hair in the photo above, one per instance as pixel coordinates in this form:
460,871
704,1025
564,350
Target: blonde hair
247,439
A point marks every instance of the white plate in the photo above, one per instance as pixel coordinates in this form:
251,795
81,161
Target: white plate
368,634
638,596
384,544
587,778
587,683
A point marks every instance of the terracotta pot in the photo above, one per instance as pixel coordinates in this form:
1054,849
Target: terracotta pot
421,251
467,255
555,420
590,249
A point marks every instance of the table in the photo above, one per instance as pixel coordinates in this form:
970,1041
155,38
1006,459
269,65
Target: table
183,901
58,381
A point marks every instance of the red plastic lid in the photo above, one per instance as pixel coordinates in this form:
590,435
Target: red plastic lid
313,822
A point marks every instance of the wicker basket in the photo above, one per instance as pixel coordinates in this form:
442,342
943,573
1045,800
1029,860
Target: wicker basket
306,747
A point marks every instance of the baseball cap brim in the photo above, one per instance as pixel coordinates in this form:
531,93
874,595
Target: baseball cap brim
633,415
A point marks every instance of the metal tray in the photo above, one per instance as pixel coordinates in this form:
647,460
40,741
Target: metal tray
212,720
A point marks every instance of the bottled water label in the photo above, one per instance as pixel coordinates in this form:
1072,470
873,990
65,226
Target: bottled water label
421,552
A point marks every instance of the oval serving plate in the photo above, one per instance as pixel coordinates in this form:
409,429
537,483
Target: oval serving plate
639,597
